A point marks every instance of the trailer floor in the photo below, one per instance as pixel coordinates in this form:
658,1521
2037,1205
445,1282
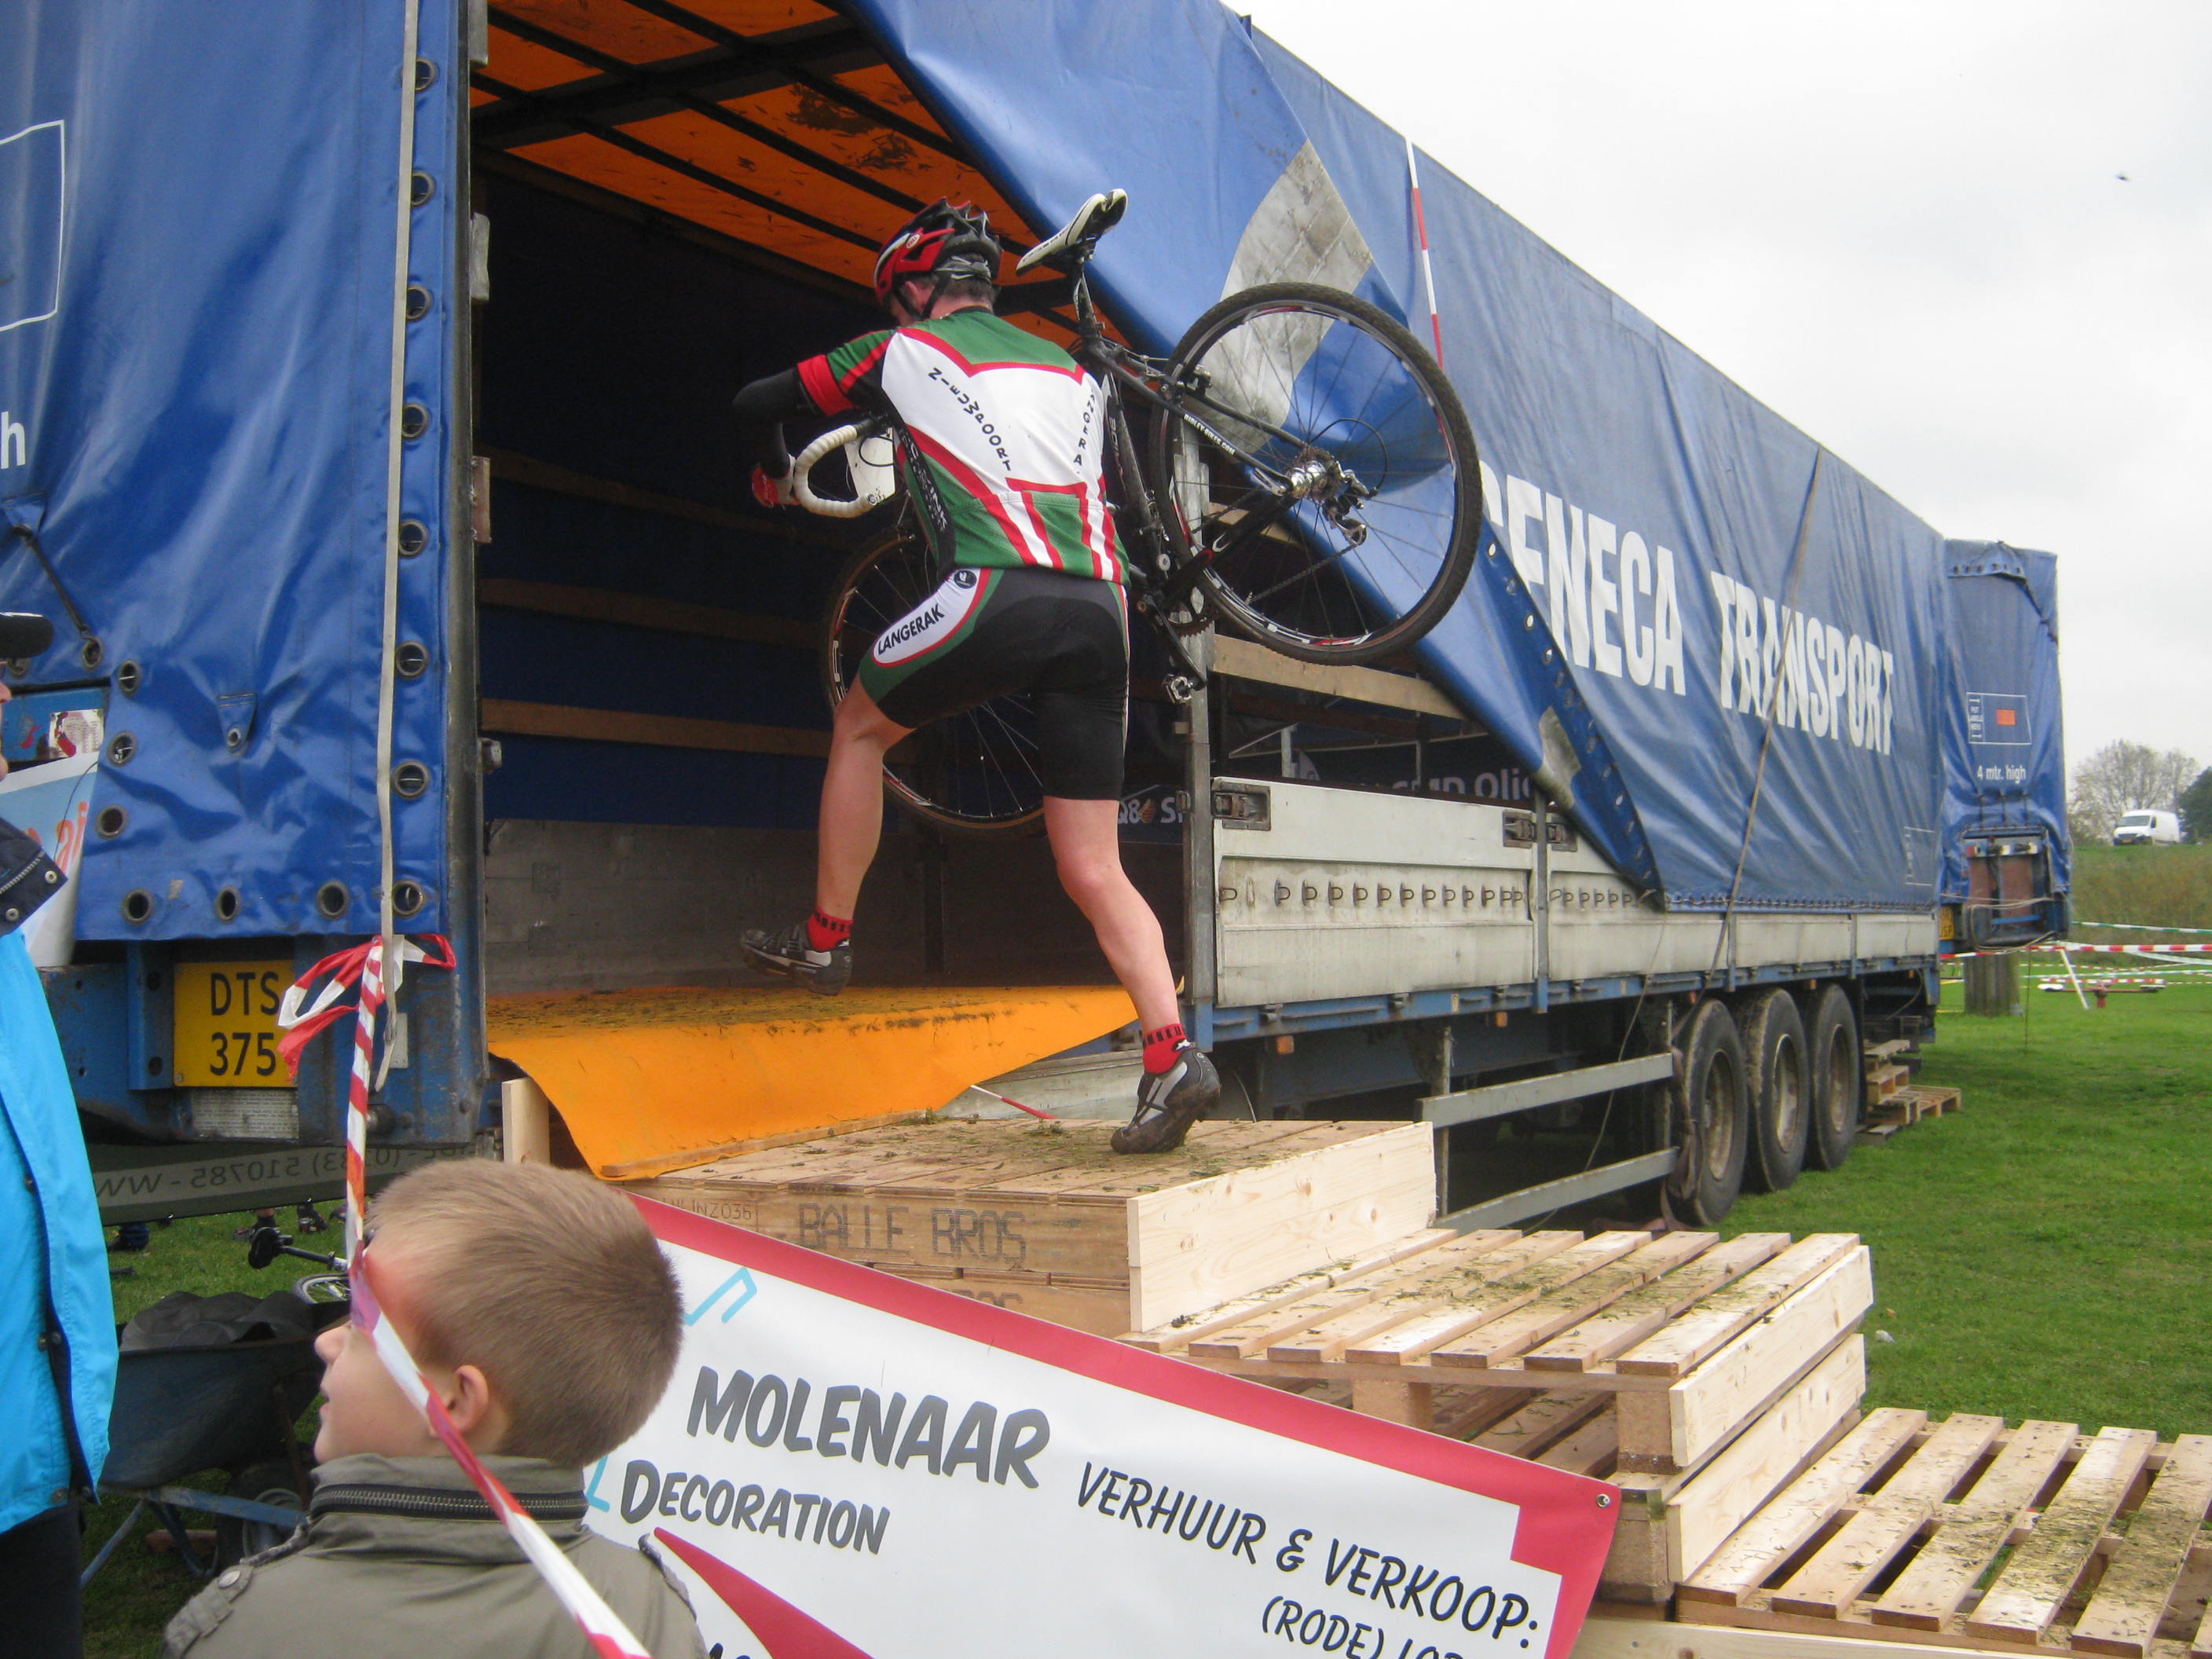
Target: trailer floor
652,1080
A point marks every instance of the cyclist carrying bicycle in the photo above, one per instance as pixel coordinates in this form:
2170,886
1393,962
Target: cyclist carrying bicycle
1000,438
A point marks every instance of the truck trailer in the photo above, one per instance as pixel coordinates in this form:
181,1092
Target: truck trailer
367,436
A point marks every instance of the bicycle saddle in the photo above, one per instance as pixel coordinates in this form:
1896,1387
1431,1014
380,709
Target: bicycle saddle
1098,215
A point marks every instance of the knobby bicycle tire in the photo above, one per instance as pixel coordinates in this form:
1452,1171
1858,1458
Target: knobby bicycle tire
1277,353
945,776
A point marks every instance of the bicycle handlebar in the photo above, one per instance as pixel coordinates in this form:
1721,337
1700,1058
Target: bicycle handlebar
802,490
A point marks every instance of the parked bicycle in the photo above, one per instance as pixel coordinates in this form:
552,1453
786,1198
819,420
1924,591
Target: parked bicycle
1308,480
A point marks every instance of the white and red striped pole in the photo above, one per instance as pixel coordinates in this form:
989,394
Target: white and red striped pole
1428,271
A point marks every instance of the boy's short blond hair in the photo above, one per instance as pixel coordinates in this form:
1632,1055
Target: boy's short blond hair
547,1282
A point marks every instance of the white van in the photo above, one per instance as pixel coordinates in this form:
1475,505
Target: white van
2142,828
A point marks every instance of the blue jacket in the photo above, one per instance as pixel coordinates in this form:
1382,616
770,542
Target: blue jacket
53,1263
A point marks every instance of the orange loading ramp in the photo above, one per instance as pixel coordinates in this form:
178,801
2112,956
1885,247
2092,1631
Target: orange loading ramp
653,1080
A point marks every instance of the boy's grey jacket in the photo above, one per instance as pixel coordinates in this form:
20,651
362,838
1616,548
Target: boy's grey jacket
400,1558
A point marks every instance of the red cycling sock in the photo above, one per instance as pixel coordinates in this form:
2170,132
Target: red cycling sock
1160,1048
826,932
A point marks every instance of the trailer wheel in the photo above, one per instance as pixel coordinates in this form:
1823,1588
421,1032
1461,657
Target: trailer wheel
271,1481
1781,1118
1837,1072
1713,1101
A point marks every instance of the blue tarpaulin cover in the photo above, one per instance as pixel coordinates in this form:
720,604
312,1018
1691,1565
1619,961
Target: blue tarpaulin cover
1732,671
2004,751
198,208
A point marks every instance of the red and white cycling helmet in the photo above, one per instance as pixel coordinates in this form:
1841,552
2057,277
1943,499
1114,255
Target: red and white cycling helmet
945,242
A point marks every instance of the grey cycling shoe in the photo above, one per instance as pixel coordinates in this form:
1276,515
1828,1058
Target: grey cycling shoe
789,952
1170,1102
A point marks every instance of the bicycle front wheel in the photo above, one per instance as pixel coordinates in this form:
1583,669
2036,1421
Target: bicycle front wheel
1327,418
975,773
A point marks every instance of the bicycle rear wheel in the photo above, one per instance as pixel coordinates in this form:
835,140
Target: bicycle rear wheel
970,774
1311,380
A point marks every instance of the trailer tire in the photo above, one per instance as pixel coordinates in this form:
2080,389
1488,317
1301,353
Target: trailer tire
273,1481
1836,1070
1776,1079
1712,1100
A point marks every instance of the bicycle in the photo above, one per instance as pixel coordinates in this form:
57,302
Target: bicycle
1310,481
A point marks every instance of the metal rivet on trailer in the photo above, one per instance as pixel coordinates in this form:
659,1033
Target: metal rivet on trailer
1529,621
426,74
332,899
128,677
418,302
421,188
137,905
410,660
92,652
408,897
110,822
414,420
226,905
120,748
410,778
414,537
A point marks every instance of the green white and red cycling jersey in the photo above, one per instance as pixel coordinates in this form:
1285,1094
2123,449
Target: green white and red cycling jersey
1006,432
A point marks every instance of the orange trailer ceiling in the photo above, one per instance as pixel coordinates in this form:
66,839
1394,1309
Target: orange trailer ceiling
776,123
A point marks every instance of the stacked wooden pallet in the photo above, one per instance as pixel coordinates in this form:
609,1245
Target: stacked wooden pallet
1905,1107
1889,1067
1047,1219
1699,1375
1967,1535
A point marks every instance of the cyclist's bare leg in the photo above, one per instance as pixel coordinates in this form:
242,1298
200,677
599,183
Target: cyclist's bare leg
852,801
1086,846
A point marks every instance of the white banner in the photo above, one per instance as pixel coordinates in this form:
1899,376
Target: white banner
852,1464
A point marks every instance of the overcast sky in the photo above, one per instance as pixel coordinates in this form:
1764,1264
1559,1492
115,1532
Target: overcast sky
1903,227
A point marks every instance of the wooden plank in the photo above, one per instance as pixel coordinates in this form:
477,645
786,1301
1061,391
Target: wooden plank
1951,1563
1510,1289
1287,1321
1553,1312
1543,1421
1589,1450
525,1122
2044,1570
607,605
1718,1498
1243,660
1174,1337
1781,1528
1395,1293
2131,1597
1892,1518
1649,1639
1707,1327
1411,1403
1442,1308
1463,1413
548,720
1612,1330
1193,1246
1676,1430
560,481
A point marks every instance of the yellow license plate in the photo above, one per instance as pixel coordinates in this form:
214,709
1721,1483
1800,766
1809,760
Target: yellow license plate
226,1028
1947,923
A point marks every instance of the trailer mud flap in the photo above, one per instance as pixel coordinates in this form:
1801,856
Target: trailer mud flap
650,1081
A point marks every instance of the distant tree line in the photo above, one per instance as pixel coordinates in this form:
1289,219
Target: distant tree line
2126,777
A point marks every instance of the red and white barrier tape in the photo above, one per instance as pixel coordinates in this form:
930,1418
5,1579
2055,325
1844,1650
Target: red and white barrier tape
2141,927
2094,949
1428,271
606,1633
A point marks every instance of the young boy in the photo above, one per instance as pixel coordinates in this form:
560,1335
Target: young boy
547,1321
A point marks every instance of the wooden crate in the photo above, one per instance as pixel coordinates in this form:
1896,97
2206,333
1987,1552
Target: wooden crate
1047,1218
1967,1535
1698,1374
1905,1107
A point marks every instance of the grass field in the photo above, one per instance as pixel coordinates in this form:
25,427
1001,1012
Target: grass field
2042,1253
2160,886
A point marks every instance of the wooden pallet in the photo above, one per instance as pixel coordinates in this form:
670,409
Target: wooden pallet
1968,1534
1046,1218
1905,1107
1698,1374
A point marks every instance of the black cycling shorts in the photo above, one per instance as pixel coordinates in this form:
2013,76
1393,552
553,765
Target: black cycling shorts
991,633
